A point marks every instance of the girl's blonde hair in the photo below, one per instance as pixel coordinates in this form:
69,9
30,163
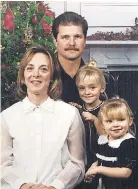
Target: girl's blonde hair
55,87
91,70
117,108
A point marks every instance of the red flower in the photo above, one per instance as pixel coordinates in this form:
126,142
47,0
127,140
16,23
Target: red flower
49,13
3,66
41,7
47,28
8,20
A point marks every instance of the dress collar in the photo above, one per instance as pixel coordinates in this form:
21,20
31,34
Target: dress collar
47,105
114,143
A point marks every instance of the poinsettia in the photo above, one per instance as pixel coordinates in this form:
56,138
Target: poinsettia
8,20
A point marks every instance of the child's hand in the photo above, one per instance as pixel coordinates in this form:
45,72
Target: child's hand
88,116
91,172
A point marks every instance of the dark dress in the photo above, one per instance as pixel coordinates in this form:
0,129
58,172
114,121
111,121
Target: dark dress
117,153
91,145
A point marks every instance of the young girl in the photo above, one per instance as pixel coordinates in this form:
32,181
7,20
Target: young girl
91,85
116,152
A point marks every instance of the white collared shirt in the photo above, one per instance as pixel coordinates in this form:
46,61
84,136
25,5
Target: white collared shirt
42,144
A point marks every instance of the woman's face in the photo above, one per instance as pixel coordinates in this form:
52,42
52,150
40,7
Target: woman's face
37,75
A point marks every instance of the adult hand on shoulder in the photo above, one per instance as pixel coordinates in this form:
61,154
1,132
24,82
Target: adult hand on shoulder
76,105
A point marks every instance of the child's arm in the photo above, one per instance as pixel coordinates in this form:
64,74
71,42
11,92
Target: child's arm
90,117
88,175
116,172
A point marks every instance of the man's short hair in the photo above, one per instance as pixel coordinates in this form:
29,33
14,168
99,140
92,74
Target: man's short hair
69,18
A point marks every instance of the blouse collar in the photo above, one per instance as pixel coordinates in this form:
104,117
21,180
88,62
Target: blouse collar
47,105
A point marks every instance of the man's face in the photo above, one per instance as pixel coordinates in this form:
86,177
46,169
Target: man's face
70,42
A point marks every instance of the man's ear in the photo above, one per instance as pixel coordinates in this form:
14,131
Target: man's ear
55,42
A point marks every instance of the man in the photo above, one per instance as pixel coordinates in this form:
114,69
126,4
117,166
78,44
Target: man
70,31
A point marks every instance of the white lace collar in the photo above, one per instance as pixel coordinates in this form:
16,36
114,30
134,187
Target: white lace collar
103,139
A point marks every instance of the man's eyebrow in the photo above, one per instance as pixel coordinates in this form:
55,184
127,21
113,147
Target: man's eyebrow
65,35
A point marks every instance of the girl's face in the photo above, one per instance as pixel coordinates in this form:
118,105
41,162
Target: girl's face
37,75
89,91
116,127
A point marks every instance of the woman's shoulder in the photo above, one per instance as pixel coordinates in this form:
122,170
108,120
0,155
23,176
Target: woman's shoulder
12,108
61,105
65,110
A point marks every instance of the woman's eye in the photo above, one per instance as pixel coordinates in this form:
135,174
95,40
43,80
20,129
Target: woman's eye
43,69
29,68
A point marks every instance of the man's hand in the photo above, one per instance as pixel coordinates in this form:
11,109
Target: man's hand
76,105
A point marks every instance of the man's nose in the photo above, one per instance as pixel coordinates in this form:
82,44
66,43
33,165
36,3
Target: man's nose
72,41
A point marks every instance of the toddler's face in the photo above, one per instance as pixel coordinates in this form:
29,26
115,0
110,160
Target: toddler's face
116,128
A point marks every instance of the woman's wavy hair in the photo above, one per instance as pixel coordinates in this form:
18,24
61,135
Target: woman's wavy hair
55,87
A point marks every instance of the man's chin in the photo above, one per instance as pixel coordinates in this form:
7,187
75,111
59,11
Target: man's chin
73,58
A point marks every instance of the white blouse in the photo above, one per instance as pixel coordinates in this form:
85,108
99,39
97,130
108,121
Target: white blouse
42,144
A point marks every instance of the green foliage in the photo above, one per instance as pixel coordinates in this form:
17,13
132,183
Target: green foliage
16,17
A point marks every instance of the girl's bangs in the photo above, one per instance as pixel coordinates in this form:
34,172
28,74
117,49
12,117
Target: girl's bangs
116,113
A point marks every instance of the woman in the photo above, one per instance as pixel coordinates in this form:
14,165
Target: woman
42,137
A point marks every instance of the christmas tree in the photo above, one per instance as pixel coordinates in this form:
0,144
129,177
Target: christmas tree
24,24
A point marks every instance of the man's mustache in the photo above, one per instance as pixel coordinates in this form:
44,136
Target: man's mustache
71,48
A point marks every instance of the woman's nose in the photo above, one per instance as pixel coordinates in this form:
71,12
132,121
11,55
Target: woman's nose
35,72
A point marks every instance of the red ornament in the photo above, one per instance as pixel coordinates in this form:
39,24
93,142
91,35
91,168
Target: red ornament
47,28
34,20
8,20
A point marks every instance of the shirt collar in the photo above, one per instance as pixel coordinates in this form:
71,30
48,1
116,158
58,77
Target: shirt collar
62,70
47,105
